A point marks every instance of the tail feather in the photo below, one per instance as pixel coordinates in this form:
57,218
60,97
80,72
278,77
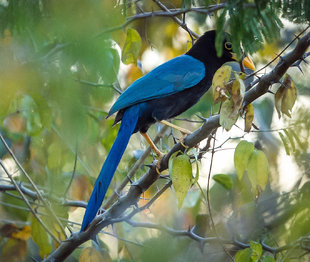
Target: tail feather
103,181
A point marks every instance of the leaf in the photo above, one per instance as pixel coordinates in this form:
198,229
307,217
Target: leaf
91,254
181,174
219,82
268,259
249,117
237,92
242,155
40,237
224,180
243,255
22,234
285,143
278,99
289,96
131,47
228,117
257,251
258,169
285,97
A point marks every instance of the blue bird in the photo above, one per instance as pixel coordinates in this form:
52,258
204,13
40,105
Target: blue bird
165,92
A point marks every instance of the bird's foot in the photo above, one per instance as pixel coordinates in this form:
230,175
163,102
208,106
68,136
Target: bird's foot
181,141
157,167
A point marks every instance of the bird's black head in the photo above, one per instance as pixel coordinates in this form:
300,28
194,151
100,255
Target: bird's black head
204,50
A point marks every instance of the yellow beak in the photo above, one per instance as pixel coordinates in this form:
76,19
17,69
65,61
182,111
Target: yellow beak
247,62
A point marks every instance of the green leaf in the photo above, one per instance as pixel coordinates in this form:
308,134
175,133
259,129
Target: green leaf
268,259
243,255
228,116
242,154
131,47
258,169
40,237
257,251
181,174
224,180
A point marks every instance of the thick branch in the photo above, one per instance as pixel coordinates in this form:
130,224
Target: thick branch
132,197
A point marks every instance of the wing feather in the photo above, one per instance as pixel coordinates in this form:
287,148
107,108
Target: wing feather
171,77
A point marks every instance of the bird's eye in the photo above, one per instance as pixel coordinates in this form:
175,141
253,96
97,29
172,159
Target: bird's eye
228,45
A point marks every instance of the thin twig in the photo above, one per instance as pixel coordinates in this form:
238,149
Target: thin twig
40,196
27,202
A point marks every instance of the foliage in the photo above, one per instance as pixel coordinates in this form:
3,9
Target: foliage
62,65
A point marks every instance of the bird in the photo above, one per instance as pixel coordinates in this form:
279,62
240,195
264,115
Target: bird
163,93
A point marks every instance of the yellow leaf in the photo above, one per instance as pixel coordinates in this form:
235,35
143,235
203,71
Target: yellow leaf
22,234
219,83
249,117
40,237
289,96
181,174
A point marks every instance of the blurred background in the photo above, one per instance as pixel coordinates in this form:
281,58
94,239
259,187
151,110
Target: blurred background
64,63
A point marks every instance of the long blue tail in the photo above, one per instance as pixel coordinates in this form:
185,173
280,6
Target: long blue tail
103,181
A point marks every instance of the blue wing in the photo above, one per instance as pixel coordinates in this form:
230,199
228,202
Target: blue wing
171,77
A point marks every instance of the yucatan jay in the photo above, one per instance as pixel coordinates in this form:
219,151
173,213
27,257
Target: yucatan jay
165,92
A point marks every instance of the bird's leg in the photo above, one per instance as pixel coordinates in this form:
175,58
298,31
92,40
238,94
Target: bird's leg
152,145
155,149
182,130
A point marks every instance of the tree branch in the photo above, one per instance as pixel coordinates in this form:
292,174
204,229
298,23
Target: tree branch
134,193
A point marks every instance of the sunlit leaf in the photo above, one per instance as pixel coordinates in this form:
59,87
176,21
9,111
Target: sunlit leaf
219,83
224,180
249,117
258,169
242,155
243,255
289,96
40,237
181,173
131,47
228,116
23,234
257,251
